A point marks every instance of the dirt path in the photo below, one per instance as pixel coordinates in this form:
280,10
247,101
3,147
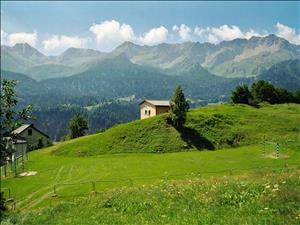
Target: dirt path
34,194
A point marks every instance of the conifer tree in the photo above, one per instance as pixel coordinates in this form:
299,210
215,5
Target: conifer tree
77,126
179,107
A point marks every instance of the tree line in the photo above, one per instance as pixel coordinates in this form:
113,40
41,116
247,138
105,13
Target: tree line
263,91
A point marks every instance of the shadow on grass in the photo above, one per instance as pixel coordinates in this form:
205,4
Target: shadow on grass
194,139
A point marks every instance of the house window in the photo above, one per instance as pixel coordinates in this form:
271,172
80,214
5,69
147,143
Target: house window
149,112
145,112
30,132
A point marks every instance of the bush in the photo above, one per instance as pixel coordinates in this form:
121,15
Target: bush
262,91
241,95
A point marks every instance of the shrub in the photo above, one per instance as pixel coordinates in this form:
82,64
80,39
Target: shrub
241,95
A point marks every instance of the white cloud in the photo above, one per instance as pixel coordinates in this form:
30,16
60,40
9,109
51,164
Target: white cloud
223,33
175,28
14,38
3,37
63,42
184,32
112,33
288,33
226,32
253,33
155,36
212,39
199,31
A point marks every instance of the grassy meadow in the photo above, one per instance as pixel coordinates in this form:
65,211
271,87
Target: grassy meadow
272,198
216,127
131,174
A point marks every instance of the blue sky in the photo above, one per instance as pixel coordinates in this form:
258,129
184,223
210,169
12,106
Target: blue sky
54,26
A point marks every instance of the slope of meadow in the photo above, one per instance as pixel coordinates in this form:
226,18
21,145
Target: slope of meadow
207,128
257,198
183,185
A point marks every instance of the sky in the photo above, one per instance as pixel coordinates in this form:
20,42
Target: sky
52,27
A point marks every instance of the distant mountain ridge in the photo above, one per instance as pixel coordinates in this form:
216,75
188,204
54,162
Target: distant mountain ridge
23,58
236,58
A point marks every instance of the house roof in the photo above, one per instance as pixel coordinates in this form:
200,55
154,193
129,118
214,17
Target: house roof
157,102
22,128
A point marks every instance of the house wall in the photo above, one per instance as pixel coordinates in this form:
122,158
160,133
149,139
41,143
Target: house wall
162,109
147,107
33,139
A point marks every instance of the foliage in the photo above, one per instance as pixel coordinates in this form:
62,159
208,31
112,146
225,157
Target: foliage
296,97
283,95
241,95
77,126
179,107
11,118
262,91
40,143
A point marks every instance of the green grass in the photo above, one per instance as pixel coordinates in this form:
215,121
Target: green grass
135,158
34,191
216,127
272,198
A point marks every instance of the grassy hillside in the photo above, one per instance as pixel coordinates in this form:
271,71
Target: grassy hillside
56,170
207,128
190,187
257,198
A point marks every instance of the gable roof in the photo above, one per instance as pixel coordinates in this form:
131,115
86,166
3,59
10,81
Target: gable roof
157,102
24,127
20,129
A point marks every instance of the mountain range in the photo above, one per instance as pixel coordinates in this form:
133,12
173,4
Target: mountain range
205,70
90,80
236,58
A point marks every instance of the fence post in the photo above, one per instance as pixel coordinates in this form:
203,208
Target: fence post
130,182
93,187
54,191
15,167
264,147
5,169
22,163
277,150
